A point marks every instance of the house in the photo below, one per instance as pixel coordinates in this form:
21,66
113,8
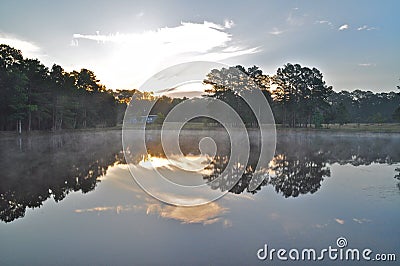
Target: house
150,119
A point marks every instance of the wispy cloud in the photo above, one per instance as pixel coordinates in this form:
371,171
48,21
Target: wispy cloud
326,22
228,24
74,43
140,14
137,54
188,37
294,18
366,64
366,27
276,31
344,27
29,49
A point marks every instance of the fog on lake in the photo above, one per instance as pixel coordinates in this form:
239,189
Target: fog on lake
320,186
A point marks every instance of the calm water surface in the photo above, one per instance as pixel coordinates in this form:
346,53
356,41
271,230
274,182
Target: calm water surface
69,199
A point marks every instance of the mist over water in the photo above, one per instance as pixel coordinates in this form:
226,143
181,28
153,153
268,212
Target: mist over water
77,186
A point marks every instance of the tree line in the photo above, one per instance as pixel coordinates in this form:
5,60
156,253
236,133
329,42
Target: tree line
34,97
299,97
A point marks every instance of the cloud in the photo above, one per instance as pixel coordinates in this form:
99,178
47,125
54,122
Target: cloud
363,27
139,55
29,49
140,14
74,43
187,36
344,26
294,19
367,64
324,22
228,24
189,90
276,31
366,27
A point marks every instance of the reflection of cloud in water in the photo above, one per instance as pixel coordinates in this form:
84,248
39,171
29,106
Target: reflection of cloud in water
274,216
204,214
339,221
121,178
196,163
181,200
118,209
232,196
227,223
152,171
320,226
361,221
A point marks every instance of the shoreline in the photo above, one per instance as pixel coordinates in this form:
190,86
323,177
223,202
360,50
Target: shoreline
393,128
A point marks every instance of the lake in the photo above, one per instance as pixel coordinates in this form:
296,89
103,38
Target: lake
69,199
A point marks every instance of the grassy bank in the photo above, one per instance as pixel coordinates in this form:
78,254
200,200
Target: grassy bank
353,127
367,127
41,132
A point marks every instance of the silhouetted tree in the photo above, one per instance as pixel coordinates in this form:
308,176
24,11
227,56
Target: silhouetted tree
32,97
341,115
229,83
301,93
396,114
13,92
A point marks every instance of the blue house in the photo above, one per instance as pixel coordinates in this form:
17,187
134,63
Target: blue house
150,119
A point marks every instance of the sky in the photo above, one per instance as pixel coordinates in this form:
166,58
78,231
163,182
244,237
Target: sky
355,44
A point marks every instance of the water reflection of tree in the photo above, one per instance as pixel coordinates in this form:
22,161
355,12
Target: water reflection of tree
294,174
229,179
302,161
289,174
37,168
398,176
52,167
398,173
